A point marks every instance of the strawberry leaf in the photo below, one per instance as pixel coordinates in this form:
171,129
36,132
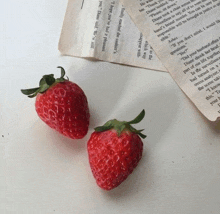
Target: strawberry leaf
103,128
142,135
62,71
61,79
49,79
43,88
42,81
29,91
120,126
138,119
34,94
120,129
45,83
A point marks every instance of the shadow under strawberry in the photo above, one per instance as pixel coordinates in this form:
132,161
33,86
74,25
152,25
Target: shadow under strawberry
68,146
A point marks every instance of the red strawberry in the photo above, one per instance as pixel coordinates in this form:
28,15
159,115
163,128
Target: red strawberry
62,105
114,151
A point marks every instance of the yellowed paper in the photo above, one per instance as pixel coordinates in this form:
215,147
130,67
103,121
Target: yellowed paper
103,30
185,35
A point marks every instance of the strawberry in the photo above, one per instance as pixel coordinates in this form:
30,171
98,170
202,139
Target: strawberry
114,150
62,105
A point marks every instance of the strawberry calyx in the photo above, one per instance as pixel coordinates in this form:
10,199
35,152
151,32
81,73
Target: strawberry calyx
45,83
120,126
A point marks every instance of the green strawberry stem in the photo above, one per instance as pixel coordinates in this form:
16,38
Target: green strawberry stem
119,126
45,83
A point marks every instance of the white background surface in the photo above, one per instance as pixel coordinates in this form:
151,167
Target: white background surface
44,172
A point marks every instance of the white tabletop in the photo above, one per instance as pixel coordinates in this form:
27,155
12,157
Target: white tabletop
43,172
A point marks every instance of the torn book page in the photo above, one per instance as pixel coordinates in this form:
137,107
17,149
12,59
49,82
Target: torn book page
185,35
103,30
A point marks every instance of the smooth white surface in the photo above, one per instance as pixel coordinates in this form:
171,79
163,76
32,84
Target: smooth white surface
44,172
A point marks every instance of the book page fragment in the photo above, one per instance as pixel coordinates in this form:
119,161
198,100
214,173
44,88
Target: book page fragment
185,35
103,30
